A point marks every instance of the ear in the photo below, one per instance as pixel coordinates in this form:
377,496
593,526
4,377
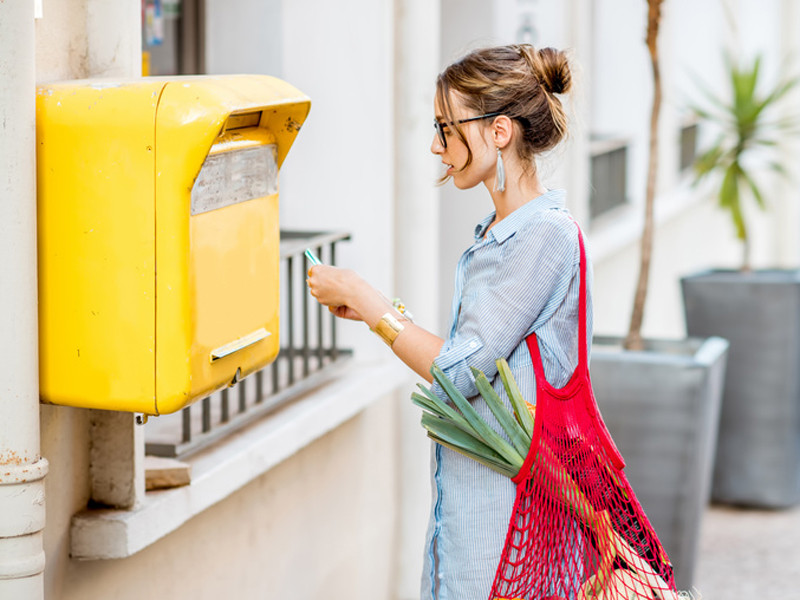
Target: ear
502,131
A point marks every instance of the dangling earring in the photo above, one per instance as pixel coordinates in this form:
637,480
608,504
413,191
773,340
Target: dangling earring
500,176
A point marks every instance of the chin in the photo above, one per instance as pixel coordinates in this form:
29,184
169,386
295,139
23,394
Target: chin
464,184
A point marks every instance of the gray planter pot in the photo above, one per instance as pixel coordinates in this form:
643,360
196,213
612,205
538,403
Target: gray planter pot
662,409
758,448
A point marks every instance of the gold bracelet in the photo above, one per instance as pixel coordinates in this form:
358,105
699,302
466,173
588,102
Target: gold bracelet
388,328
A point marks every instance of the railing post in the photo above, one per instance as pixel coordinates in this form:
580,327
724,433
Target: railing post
334,344
289,343
306,347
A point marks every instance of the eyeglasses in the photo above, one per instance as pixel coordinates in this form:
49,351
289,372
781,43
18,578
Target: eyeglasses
440,126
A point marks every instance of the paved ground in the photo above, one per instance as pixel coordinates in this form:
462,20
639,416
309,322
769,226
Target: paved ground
749,554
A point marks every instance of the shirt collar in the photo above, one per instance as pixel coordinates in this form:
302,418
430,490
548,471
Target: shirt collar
509,226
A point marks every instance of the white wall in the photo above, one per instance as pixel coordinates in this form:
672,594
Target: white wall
339,175
323,523
245,37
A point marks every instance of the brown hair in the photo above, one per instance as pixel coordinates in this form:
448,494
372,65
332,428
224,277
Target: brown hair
517,81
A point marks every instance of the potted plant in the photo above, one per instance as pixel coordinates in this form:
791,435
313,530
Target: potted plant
660,399
758,311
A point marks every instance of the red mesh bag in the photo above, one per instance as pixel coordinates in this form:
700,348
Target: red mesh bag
577,530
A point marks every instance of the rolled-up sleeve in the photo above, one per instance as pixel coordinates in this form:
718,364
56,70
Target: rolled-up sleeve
509,291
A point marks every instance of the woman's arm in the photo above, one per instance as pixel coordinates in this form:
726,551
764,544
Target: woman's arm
348,296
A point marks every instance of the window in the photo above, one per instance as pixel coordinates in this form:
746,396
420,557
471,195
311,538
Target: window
688,149
609,158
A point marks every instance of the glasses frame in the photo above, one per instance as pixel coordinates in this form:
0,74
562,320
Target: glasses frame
439,126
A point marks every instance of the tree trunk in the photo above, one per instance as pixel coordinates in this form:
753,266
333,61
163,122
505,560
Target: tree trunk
746,268
633,341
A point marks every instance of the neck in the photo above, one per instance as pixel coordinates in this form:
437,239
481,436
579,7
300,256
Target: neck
520,189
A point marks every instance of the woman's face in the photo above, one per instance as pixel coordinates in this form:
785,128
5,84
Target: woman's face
454,157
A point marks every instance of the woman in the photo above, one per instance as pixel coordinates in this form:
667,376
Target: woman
496,110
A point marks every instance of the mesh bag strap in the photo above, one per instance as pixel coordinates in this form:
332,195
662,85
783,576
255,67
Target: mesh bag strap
580,382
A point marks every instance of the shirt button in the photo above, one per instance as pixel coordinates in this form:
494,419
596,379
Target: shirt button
473,344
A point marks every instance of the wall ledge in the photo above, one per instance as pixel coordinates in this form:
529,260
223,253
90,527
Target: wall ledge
221,470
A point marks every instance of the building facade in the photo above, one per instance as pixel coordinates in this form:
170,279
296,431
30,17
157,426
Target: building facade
329,496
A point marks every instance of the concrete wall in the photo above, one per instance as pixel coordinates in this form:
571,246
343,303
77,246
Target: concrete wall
320,525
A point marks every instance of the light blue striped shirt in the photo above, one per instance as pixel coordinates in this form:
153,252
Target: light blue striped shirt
520,277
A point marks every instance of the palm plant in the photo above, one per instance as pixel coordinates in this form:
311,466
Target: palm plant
749,141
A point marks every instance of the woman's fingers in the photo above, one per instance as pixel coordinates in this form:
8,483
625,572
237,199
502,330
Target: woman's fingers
332,287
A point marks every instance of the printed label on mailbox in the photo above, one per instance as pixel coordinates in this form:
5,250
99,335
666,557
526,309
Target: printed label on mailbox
235,176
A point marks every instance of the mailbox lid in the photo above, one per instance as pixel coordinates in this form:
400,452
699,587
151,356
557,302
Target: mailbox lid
218,262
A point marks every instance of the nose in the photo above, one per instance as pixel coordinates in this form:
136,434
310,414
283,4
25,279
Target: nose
436,145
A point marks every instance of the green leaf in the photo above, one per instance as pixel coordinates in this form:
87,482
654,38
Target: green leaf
709,161
780,169
462,425
729,190
486,433
428,393
455,435
449,430
788,124
517,401
744,83
434,405
499,467
712,98
513,430
701,112
766,142
780,91
444,431
729,199
755,190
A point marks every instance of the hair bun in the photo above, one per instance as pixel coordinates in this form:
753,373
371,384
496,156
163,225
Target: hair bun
554,73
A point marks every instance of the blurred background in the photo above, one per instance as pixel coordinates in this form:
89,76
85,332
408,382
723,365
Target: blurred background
328,495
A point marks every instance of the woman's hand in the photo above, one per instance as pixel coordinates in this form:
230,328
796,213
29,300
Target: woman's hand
349,297
338,289
345,312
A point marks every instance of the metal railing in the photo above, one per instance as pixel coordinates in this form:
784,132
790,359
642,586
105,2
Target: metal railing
309,355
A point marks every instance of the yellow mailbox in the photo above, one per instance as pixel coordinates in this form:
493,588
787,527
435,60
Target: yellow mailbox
159,236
